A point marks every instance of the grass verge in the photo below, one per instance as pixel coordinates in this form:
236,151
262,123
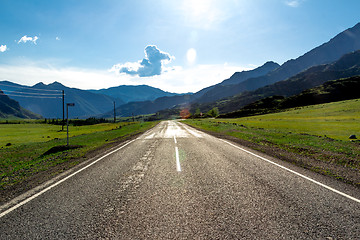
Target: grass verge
292,136
24,132
24,166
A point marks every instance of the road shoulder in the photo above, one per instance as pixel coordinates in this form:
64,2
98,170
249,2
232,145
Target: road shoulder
334,171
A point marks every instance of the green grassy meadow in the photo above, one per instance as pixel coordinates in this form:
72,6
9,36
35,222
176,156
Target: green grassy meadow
320,131
26,157
336,120
23,133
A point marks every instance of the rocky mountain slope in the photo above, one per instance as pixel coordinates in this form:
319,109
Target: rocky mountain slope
46,100
347,66
330,91
10,108
343,43
134,93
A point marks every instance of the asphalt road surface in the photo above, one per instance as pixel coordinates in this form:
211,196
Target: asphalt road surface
174,182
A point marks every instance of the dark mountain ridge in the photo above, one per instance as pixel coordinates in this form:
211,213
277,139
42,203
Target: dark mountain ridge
134,93
345,42
34,99
345,67
330,91
238,77
10,108
92,104
147,107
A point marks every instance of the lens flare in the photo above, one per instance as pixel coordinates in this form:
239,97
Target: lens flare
191,55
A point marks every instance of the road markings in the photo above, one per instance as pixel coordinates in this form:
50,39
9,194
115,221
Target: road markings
296,173
195,134
178,167
61,181
150,136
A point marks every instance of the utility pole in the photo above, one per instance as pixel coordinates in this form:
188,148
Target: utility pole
114,113
63,102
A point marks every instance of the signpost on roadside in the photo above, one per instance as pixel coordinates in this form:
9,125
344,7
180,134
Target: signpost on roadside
63,104
67,120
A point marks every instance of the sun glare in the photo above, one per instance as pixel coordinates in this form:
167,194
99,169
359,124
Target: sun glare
191,55
202,13
199,7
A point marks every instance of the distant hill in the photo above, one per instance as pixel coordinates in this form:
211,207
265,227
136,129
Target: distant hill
239,77
10,108
161,103
345,42
331,91
86,103
347,66
146,107
134,93
216,92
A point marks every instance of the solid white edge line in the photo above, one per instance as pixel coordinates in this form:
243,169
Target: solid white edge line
175,140
178,167
296,173
61,181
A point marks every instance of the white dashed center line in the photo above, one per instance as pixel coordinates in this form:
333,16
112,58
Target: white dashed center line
178,167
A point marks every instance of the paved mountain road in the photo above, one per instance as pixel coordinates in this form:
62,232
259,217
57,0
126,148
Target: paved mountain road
174,182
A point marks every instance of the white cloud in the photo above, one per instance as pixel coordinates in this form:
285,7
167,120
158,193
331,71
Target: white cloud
3,48
25,39
293,3
31,74
151,65
174,79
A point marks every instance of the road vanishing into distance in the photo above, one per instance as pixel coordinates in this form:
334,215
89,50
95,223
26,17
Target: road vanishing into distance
174,182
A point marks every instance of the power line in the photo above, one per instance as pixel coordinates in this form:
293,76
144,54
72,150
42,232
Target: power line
14,95
30,88
46,94
34,94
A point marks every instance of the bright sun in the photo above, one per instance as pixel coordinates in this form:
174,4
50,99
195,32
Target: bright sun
191,55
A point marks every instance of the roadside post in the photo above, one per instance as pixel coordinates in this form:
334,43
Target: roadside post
67,120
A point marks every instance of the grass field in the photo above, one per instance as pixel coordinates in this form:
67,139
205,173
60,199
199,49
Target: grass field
320,132
336,120
27,156
23,133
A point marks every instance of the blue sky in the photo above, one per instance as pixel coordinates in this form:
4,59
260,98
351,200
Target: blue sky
190,44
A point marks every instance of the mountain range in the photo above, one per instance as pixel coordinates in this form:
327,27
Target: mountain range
331,60
343,43
10,108
215,92
46,100
330,91
146,107
347,66
134,93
